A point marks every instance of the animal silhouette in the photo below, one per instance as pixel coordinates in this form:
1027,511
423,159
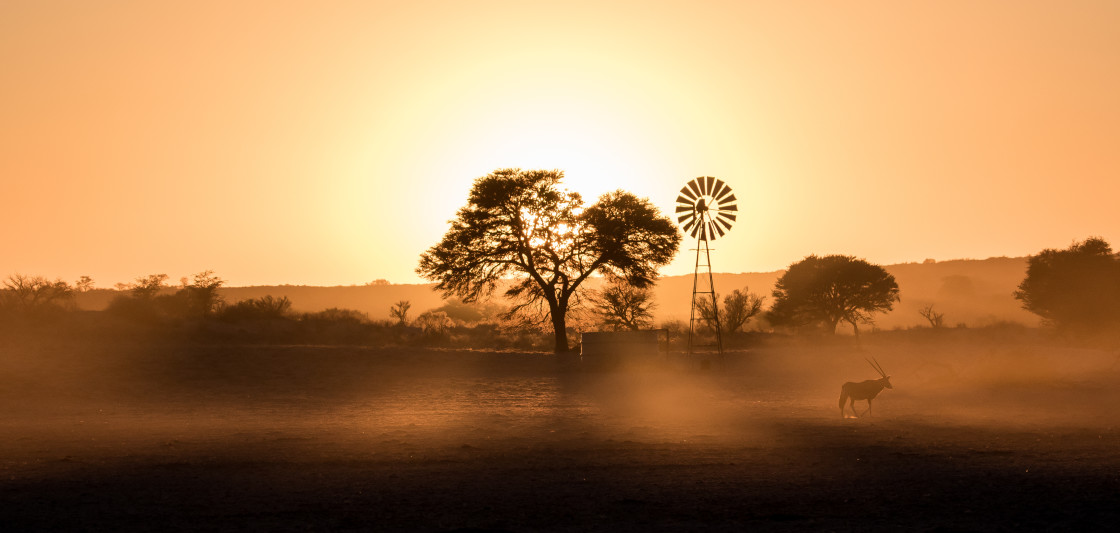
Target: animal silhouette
864,390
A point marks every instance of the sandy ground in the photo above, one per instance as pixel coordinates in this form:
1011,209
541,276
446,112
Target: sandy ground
300,438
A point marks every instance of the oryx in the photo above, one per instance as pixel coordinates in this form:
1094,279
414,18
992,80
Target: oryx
864,390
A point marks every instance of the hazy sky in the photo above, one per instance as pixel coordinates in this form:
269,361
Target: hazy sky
329,142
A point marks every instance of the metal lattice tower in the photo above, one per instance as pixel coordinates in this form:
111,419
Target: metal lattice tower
705,209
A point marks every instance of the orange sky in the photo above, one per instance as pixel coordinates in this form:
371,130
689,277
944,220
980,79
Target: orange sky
329,142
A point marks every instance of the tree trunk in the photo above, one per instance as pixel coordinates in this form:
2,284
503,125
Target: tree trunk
855,328
833,323
560,327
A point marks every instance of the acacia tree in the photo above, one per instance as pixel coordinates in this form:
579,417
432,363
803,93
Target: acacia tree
738,308
825,290
520,224
84,284
1075,287
28,294
623,307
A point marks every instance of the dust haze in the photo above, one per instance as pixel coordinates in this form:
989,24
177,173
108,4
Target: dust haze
122,434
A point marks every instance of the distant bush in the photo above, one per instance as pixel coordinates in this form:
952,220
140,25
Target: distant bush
470,313
336,325
149,309
434,323
263,308
148,300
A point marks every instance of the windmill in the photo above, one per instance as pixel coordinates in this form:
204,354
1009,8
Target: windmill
706,209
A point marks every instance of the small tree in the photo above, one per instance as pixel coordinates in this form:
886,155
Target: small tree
399,311
737,309
935,319
621,306
147,287
825,290
84,284
1077,287
201,294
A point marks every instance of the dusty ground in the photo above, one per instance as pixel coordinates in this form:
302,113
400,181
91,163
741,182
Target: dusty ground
201,438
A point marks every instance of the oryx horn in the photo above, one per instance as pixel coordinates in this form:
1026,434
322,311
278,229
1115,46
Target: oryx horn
878,368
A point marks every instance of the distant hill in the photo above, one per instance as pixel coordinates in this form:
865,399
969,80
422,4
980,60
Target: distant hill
970,291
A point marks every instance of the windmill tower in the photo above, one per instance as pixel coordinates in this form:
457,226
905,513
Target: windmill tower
706,209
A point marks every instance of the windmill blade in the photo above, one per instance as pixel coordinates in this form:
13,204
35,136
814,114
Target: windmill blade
695,186
717,228
719,213
721,190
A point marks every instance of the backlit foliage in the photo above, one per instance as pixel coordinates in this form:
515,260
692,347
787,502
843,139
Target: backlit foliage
519,226
822,291
1075,287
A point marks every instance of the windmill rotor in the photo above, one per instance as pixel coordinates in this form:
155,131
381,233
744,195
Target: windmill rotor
706,208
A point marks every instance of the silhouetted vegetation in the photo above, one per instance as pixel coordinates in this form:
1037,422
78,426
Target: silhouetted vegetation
263,308
1078,287
434,323
936,320
737,309
34,295
819,292
1073,288
149,299
148,309
620,306
520,223
399,311
84,284
466,313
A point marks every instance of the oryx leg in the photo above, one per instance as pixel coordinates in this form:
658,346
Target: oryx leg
865,411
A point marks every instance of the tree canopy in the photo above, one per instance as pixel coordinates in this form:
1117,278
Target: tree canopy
521,225
1075,287
33,294
824,290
